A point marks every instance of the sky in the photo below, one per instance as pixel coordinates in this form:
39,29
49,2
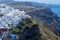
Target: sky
44,1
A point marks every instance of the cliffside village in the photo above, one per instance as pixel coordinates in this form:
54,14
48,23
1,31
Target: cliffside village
9,17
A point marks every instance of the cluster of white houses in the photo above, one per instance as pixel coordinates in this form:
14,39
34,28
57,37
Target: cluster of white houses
10,17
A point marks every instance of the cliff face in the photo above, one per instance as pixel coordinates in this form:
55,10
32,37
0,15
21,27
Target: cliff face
45,15
49,19
40,13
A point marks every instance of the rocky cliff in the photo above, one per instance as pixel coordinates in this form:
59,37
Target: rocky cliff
41,13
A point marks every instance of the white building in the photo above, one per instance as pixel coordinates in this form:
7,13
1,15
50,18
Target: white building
11,16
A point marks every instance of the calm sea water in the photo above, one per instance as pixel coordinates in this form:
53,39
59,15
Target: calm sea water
56,10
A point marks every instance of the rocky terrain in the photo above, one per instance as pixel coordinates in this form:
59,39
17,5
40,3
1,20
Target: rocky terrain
17,23
42,21
41,13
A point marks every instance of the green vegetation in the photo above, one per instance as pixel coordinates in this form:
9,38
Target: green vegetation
25,22
14,30
27,25
29,22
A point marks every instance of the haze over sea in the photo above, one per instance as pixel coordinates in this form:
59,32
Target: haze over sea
55,2
56,10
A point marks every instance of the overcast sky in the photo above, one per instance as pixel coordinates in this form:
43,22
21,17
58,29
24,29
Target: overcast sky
43,1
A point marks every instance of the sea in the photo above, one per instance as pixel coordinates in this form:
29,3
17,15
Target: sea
56,10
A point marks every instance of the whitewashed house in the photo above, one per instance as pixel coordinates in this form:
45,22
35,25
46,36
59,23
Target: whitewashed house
10,16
